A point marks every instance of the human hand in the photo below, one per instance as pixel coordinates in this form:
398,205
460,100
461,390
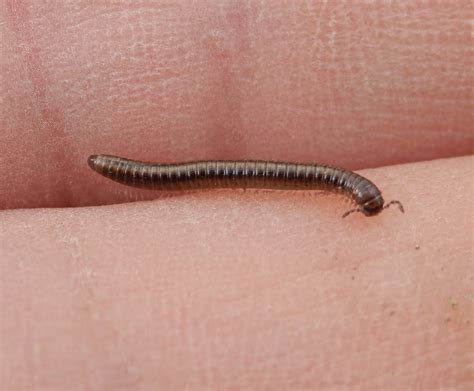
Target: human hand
229,289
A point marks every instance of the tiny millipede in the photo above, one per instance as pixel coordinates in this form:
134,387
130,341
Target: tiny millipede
247,174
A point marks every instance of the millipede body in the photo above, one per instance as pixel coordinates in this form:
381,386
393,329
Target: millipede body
254,174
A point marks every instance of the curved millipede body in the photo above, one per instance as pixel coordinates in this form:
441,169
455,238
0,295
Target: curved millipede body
255,174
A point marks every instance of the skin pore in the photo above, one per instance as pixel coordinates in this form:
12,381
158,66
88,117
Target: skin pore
234,289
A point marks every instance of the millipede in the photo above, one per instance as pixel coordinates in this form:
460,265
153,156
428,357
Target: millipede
246,174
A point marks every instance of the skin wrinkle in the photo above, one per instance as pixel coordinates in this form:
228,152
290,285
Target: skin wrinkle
48,115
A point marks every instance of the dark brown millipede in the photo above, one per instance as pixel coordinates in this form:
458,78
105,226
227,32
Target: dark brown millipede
254,174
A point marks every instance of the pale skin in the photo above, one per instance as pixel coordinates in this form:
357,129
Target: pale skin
232,289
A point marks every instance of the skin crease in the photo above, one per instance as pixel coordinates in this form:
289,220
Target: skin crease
232,289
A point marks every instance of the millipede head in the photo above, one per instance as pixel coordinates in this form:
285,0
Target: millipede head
374,207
